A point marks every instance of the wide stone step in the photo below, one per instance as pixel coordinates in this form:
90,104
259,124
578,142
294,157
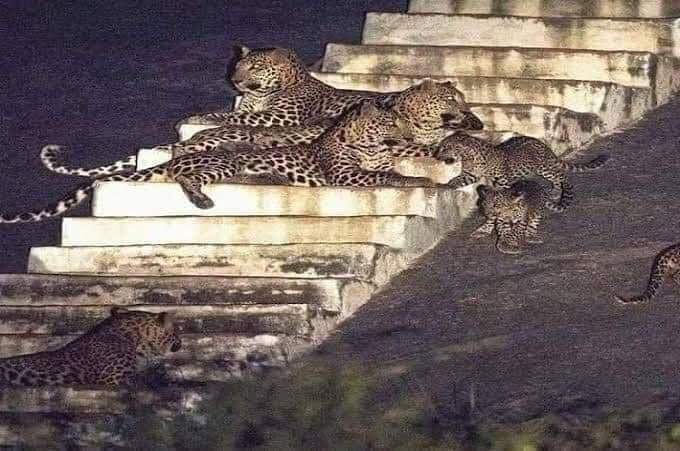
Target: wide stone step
311,260
410,233
35,291
613,103
289,319
551,8
145,199
640,35
637,69
195,347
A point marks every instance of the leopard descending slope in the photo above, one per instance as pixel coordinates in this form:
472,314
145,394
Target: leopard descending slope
294,261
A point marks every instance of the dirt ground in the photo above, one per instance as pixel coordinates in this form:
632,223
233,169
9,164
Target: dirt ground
541,332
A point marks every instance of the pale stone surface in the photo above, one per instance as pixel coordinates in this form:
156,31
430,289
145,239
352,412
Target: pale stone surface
565,33
551,8
45,290
143,199
290,319
286,260
410,233
637,69
615,104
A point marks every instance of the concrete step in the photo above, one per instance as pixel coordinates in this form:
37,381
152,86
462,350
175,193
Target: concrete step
636,69
613,103
551,8
638,35
289,319
36,291
409,233
151,199
311,260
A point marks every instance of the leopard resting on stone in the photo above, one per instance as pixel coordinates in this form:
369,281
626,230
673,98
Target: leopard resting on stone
110,353
359,150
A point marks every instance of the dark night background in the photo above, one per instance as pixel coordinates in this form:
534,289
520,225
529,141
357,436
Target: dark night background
106,78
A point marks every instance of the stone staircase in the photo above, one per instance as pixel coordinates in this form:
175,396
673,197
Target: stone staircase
271,270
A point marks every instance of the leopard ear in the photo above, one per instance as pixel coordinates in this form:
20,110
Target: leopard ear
483,190
243,50
451,83
118,310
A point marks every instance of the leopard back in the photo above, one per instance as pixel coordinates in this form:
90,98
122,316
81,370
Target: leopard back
110,353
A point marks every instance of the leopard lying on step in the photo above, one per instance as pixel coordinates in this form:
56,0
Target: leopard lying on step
666,266
429,110
513,159
111,353
359,150
514,213
277,89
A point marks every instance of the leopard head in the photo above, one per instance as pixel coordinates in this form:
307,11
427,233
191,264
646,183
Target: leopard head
431,108
508,205
153,334
372,124
265,71
456,146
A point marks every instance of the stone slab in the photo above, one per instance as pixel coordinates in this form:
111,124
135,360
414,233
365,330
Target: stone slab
613,103
551,8
638,35
410,233
637,69
289,319
47,290
286,260
148,199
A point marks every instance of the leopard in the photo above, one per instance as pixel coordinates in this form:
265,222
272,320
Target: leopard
430,110
513,159
358,151
666,266
112,353
514,213
278,90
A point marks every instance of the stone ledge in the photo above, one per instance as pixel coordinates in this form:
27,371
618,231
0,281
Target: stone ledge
152,199
637,69
189,292
286,260
615,104
542,8
638,35
289,319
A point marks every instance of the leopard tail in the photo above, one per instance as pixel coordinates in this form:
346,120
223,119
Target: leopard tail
51,157
566,197
593,164
660,270
76,197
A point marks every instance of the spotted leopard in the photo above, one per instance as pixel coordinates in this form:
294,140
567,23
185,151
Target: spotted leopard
429,110
359,150
279,90
515,214
513,159
110,353
666,266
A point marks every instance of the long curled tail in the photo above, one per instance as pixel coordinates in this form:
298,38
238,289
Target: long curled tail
661,269
566,197
51,157
80,194
593,164
56,209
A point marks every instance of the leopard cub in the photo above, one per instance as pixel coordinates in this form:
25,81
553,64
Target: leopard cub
666,266
515,214
516,158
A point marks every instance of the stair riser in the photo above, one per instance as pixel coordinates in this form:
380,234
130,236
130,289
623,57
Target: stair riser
531,32
289,319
